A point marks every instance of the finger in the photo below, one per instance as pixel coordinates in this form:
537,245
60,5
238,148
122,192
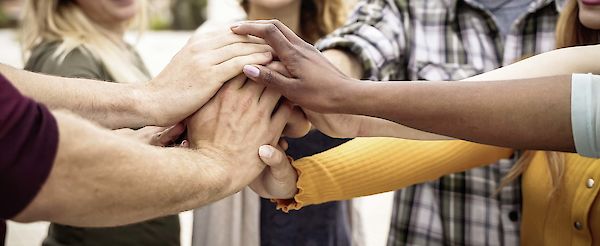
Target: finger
279,119
235,83
272,157
284,176
230,51
184,144
269,32
151,129
280,68
269,99
298,125
221,38
171,134
269,78
255,89
125,132
228,69
283,144
287,32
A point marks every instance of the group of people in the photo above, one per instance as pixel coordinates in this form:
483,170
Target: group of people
221,114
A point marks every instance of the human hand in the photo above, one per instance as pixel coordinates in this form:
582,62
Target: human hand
239,119
278,180
314,83
154,135
197,72
298,125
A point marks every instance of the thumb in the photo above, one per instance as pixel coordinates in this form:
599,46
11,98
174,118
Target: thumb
268,77
272,157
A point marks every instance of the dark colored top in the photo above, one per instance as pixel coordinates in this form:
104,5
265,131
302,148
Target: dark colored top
80,63
28,141
326,224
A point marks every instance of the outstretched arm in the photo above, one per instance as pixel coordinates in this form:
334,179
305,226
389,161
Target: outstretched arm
529,113
365,166
102,179
191,78
118,180
349,125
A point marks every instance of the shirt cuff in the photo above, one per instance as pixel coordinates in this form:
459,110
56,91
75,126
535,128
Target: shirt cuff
585,114
359,48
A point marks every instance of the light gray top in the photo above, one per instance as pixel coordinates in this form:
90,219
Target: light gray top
585,114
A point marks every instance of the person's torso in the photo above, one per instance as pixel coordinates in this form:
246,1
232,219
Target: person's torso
570,215
453,40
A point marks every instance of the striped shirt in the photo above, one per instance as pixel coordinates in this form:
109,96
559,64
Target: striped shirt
447,40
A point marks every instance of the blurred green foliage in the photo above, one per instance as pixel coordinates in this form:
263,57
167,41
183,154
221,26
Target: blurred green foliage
188,14
4,21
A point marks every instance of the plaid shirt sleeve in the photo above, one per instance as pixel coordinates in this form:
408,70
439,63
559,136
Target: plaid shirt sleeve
376,34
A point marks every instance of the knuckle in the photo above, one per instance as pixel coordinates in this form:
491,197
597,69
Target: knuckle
268,77
245,103
271,29
263,111
274,21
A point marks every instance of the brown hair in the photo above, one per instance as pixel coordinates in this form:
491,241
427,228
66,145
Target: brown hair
569,32
318,17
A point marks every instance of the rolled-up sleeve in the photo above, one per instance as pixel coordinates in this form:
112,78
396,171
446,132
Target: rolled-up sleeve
376,34
28,145
585,114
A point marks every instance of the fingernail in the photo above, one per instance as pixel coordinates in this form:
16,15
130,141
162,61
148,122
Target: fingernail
235,25
265,151
251,71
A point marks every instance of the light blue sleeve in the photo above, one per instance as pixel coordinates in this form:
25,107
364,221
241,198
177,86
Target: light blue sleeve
585,114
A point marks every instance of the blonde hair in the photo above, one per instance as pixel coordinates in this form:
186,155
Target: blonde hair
569,32
318,17
63,21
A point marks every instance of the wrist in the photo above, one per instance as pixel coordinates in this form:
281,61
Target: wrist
348,94
220,167
142,105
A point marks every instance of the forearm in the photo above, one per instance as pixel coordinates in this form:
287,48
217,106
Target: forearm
113,105
526,114
366,166
582,59
377,127
349,126
532,114
101,179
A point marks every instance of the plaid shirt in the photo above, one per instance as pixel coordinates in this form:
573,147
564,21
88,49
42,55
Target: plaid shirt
447,40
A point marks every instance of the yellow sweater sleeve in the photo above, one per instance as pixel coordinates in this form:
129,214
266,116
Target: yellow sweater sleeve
366,166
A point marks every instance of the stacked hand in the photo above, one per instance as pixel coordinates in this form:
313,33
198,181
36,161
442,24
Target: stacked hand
197,72
314,83
241,117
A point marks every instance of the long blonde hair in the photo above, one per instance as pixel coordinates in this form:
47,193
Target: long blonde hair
63,21
318,17
569,32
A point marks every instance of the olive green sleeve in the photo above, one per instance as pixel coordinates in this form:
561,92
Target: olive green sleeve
76,64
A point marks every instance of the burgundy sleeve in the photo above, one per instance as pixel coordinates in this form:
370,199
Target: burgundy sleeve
28,145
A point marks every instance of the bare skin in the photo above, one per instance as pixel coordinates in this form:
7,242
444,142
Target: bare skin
215,57
119,180
537,117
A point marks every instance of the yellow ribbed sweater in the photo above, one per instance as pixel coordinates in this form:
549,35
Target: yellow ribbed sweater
366,166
